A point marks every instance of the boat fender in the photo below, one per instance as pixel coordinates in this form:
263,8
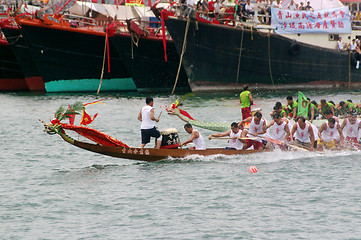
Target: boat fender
295,48
353,58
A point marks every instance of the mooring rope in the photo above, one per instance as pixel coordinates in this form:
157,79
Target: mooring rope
105,50
181,56
269,59
240,55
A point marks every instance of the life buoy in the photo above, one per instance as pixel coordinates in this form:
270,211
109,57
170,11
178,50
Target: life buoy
295,48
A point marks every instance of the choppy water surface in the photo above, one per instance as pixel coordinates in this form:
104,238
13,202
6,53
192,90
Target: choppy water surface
52,190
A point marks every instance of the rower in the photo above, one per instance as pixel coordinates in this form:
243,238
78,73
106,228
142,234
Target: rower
303,133
351,126
329,134
281,128
235,134
278,108
324,106
328,114
347,106
196,138
312,110
147,128
291,108
256,127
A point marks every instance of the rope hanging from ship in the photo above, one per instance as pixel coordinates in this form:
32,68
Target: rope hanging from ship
183,51
269,59
240,55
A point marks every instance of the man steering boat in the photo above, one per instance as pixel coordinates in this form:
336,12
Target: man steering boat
147,128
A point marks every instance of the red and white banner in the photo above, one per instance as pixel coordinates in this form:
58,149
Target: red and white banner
335,20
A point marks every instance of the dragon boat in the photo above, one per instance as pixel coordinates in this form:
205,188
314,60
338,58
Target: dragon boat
110,146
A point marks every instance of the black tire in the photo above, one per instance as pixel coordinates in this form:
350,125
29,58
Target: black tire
295,48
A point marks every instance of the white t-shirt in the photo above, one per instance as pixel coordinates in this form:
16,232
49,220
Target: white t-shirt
329,134
351,130
147,123
353,46
217,7
235,143
249,7
292,7
191,2
339,45
199,142
279,132
303,135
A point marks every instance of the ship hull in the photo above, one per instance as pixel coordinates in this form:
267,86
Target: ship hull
72,60
23,55
146,63
224,58
11,76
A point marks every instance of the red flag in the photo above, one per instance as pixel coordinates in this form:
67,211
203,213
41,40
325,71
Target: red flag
184,113
86,119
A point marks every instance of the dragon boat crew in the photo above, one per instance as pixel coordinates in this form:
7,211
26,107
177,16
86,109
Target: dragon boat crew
329,134
281,129
291,108
257,127
351,126
303,134
147,128
196,138
347,106
329,114
312,110
235,134
278,108
325,106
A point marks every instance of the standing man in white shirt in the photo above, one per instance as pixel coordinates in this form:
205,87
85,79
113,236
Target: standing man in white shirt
147,128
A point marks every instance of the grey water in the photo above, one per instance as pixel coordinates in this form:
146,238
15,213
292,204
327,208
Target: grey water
52,190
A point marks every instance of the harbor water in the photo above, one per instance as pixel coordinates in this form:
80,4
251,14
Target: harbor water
53,190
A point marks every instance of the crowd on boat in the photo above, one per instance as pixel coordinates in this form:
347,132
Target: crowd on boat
242,9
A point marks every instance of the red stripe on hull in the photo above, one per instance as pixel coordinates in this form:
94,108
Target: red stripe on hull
11,84
35,83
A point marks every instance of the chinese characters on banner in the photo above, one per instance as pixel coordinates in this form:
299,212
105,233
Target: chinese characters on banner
335,20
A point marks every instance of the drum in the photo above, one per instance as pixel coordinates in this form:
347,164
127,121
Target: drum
170,138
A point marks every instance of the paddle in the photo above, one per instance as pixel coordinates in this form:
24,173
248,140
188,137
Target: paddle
280,142
239,138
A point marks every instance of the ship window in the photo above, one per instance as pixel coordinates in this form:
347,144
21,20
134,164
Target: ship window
332,37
